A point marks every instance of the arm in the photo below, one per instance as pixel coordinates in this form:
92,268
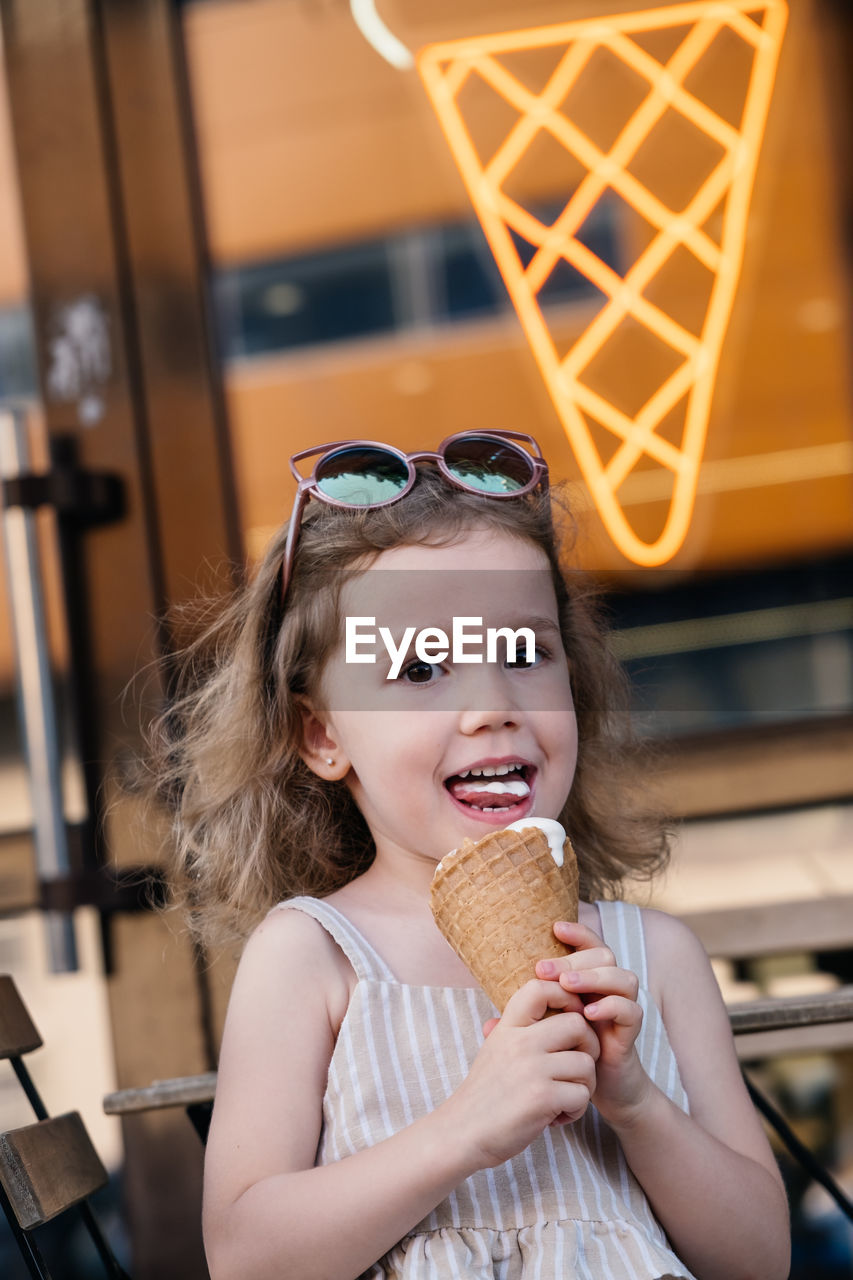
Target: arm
710,1176
267,1211
725,1209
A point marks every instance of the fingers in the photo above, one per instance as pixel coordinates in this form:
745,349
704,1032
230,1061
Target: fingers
607,981
569,1032
573,1068
588,950
624,1015
573,1098
532,1001
595,958
598,957
618,1010
575,934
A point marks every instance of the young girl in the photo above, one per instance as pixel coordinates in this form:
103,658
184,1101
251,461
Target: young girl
373,1117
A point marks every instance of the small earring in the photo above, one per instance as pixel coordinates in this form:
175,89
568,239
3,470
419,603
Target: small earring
329,760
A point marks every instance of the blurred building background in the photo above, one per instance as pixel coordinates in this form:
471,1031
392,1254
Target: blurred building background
229,230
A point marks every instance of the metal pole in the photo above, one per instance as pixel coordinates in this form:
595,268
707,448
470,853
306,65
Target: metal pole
36,696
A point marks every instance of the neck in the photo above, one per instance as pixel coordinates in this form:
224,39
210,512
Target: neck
399,878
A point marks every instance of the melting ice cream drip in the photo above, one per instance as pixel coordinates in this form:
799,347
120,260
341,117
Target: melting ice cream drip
552,831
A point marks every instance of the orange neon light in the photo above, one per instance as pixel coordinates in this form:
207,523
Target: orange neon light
446,68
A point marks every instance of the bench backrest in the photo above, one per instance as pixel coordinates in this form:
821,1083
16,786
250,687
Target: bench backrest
18,1034
47,1167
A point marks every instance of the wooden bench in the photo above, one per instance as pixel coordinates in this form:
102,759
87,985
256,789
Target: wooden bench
754,1018
49,1167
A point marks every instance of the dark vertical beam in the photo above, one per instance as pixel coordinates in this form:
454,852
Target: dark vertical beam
91,389
154,153
129,383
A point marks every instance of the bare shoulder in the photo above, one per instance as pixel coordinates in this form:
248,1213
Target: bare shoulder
665,932
675,956
290,934
292,943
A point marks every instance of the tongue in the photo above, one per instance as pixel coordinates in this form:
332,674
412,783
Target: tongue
491,794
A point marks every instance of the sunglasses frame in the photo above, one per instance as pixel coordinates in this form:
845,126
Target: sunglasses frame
308,486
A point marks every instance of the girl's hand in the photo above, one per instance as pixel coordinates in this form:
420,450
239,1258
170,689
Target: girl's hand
531,1071
610,1004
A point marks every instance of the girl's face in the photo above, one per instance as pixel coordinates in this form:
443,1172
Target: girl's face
448,748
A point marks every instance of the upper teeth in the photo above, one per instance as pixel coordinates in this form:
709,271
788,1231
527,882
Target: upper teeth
498,771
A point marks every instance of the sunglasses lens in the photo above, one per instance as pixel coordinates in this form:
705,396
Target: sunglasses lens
361,476
483,463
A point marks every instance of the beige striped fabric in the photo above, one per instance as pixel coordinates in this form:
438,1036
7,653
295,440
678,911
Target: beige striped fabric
568,1206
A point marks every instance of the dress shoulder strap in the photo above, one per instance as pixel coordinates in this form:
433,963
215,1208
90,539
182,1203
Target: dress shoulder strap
367,963
622,930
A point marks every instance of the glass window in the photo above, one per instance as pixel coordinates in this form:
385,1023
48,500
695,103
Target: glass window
471,280
430,276
295,302
722,652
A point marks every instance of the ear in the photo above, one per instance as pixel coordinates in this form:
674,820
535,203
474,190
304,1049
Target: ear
318,747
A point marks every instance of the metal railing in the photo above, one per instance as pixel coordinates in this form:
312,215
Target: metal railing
782,1014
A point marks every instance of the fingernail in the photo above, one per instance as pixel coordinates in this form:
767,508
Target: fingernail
547,968
591,1008
572,978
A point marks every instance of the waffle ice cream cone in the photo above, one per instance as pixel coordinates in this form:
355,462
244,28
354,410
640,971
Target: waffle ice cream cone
496,901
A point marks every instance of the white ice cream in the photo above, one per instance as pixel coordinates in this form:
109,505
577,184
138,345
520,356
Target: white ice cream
516,788
550,828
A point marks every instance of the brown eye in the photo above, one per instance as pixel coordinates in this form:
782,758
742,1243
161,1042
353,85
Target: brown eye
521,663
420,672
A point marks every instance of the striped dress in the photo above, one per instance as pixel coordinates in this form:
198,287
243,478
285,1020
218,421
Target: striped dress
568,1206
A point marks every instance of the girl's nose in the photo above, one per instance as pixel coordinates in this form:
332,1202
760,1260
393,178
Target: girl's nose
486,700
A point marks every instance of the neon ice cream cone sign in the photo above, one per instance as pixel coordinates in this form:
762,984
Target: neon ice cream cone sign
721,197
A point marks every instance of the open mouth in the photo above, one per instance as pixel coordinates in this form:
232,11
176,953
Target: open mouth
492,791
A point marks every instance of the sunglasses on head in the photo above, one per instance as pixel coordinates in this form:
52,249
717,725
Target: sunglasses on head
362,474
